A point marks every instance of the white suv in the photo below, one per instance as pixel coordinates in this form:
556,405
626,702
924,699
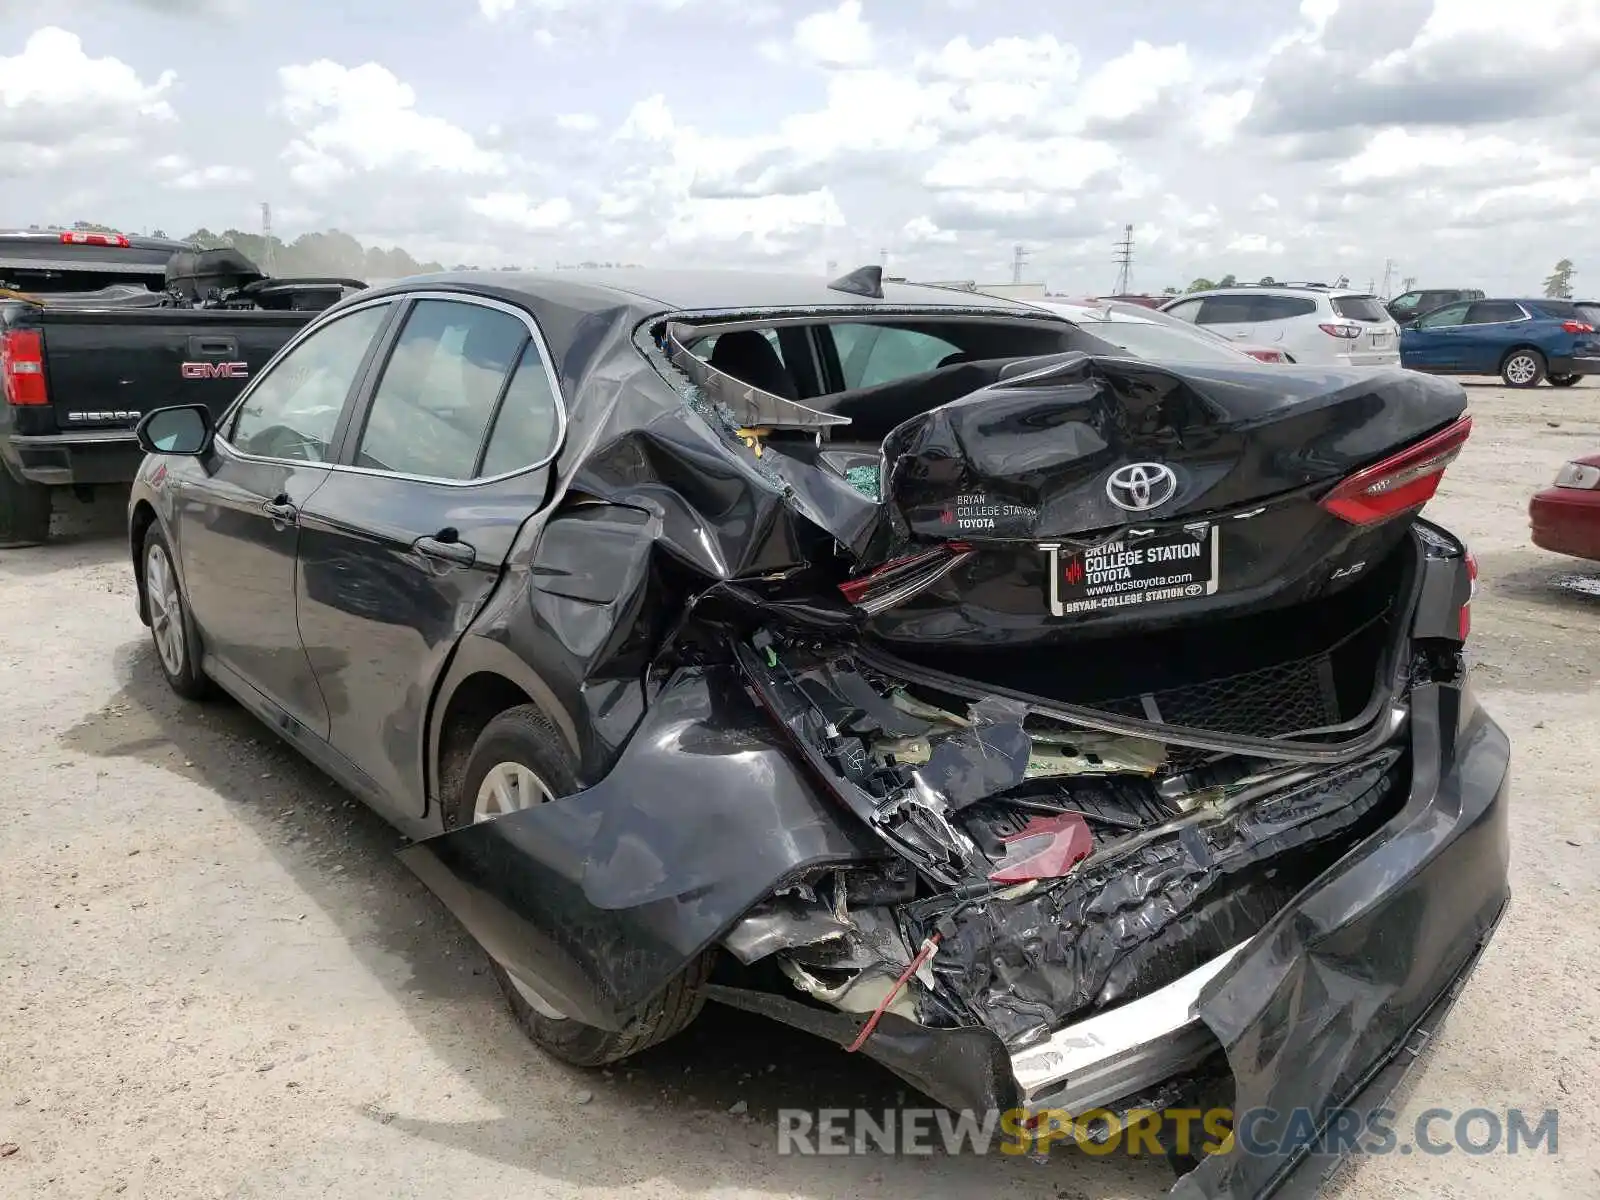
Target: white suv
1312,322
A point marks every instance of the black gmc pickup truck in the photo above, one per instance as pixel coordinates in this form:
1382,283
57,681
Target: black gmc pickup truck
96,329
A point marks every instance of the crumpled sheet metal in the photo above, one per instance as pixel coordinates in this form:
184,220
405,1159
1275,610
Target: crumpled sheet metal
1125,924
1315,1014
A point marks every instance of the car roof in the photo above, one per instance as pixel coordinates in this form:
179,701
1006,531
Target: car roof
665,290
1268,289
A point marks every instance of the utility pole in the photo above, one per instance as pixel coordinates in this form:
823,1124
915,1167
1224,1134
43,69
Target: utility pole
1409,282
1124,262
1019,256
1388,276
266,237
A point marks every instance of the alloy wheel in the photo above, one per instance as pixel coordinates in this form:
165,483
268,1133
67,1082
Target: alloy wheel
166,609
511,787
1521,369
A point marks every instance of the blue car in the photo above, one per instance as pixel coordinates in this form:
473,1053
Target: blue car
1522,341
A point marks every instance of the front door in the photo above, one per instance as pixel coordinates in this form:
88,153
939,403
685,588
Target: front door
1431,344
400,549
238,524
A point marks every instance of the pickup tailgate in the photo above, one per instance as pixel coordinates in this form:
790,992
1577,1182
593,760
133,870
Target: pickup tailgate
105,368
1097,494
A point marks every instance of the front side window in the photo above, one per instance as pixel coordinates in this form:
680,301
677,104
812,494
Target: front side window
293,410
1443,318
1188,310
440,389
1407,303
873,354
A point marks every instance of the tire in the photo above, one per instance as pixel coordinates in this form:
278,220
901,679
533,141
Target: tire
171,627
24,511
1564,380
1523,368
523,737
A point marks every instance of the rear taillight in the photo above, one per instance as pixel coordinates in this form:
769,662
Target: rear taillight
1399,483
1340,331
94,239
896,582
1576,327
1472,592
1272,356
22,367
1578,476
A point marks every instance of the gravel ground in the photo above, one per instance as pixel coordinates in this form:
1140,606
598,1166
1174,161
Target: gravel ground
216,980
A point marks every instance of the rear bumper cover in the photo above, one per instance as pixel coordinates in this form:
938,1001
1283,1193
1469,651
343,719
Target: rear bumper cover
1566,521
92,456
1574,365
606,894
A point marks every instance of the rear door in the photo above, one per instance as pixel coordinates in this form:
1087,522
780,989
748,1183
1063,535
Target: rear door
1491,328
1232,316
444,460
1378,332
107,367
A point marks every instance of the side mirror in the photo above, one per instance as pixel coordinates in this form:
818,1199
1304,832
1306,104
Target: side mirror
181,429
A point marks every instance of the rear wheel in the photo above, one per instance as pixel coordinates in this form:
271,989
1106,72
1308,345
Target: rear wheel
1564,380
24,511
520,761
1523,369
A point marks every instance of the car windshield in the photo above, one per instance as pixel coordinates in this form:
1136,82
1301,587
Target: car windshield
1148,340
1360,308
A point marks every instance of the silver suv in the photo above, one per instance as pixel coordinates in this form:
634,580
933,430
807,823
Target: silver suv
1312,322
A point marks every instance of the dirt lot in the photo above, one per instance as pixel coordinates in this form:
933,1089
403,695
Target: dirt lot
215,979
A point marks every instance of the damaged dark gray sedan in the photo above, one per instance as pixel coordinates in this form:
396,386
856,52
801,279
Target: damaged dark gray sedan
1063,730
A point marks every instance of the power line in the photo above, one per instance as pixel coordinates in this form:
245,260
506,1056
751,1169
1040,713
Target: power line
1124,262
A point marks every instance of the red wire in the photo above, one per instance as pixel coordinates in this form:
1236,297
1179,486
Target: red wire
923,955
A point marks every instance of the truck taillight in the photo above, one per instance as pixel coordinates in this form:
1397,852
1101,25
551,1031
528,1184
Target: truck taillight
1399,483
22,367
75,238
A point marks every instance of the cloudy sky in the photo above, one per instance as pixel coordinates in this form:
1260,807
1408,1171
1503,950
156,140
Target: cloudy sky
1458,138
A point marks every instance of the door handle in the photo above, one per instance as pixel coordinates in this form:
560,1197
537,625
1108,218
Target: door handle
211,347
456,553
281,511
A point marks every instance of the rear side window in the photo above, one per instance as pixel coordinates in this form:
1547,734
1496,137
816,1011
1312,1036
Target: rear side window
1493,312
872,354
528,425
1283,308
1227,310
1360,308
440,389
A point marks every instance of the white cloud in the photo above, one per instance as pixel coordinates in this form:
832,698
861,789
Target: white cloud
57,103
520,210
835,37
179,172
578,122
353,119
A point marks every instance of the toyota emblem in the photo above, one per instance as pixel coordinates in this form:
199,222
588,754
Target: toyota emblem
1139,487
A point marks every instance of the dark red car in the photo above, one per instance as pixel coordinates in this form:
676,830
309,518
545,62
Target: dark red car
1566,516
